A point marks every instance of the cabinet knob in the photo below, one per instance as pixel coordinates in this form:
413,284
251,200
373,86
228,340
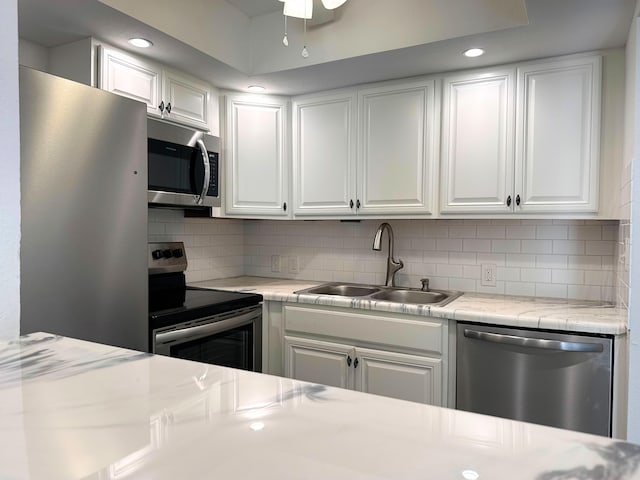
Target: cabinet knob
169,107
509,201
351,203
161,106
518,200
284,206
355,363
348,360
357,203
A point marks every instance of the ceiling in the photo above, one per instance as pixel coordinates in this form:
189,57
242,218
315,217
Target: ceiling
551,27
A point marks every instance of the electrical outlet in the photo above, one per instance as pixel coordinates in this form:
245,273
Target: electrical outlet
488,272
275,263
294,266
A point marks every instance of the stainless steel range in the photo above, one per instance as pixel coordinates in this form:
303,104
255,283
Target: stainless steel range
210,326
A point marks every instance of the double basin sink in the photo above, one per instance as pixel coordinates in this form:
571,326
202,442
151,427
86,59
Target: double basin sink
388,294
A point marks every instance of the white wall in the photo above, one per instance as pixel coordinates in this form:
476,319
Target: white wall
33,55
632,147
10,178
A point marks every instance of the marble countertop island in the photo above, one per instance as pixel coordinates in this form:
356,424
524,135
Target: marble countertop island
79,410
544,313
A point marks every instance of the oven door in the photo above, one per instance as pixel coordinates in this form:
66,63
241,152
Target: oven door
232,339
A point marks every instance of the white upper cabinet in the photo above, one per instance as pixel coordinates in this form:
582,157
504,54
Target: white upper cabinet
396,131
540,157
368,151
168,94
324,153
557,143
186,99
255,156
477,142
131,77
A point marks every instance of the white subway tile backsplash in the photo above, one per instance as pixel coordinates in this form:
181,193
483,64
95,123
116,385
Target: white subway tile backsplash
600,247
522,260
537,246
567,276
551,290
551,261
520,288
491,231
568,247
521,232
552,232
536,275
476,245
505,246
559,258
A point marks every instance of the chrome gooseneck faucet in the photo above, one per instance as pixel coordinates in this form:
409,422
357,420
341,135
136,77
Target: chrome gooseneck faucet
393,265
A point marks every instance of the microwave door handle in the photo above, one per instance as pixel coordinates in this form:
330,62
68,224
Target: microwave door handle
207,329
207,169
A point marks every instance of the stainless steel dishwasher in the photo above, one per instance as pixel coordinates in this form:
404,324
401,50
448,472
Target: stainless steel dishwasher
557,379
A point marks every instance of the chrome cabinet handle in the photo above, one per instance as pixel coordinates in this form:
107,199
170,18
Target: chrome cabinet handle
207,170
528,342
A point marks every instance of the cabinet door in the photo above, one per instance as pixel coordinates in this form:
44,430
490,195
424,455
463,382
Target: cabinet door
408,377
255,157
186,98
324,155
477,142
396,148
319,362
557,152
131,77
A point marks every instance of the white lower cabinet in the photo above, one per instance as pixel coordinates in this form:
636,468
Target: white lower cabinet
393,355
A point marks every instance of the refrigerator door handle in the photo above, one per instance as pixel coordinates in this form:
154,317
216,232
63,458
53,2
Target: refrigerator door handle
533,342
207,169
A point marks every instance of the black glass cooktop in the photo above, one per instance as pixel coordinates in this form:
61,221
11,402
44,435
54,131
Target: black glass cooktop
198,303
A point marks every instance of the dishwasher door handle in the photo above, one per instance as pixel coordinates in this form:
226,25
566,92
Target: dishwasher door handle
534,342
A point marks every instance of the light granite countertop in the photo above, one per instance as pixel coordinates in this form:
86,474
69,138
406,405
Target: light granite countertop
544,313
79,410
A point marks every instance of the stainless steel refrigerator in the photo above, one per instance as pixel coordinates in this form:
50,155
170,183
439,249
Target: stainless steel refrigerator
84,212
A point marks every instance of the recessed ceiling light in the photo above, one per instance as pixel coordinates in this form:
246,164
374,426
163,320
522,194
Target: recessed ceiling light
140,42
256,88
473,52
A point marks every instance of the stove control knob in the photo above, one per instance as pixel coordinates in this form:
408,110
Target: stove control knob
156,254
177,253
167,253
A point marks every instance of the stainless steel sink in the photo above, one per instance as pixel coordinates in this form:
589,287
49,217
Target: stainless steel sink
410,296
343,290
388,294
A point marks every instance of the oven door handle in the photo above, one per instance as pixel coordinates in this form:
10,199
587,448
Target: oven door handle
207,329
207,170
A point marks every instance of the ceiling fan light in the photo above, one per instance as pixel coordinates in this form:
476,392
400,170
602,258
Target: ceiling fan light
331,4
298,8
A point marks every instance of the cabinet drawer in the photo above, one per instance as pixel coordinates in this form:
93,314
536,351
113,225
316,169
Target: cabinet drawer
421,334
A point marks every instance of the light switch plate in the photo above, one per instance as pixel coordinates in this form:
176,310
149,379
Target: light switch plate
488,275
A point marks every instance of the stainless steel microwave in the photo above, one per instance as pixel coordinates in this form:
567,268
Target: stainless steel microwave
183,166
